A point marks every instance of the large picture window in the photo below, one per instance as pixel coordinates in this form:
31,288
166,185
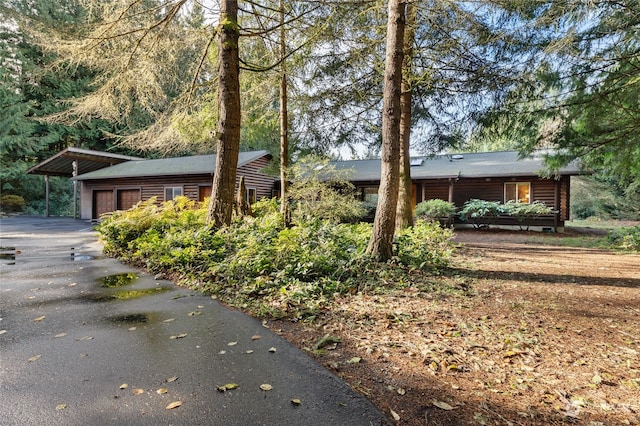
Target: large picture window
517,191
171,192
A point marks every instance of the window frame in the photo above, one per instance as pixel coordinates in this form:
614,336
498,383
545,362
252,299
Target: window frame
251,196
173,192
517,185
370,194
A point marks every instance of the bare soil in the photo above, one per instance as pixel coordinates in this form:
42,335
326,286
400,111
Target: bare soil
545,335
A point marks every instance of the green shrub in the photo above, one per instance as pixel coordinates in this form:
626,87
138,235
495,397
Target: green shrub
625,238
319,191
425,245
259,264
525,211
435,209
11,203
478,212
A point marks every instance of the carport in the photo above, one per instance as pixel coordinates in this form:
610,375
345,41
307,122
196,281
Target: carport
72,162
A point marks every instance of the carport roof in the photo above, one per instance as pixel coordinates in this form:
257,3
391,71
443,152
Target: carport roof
61,164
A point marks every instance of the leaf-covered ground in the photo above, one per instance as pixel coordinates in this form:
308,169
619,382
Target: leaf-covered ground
546,335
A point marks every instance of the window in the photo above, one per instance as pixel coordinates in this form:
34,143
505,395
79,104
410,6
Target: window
250,195
171,192
517,191
370,194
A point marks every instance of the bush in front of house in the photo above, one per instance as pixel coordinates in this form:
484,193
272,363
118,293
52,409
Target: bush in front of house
435,209
258,263
525,211
479,212
426,244
625,238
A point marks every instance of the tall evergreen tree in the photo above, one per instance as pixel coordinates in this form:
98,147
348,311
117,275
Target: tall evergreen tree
381,242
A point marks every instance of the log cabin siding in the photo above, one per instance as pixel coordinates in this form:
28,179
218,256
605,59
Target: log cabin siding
192,185
435,189
254,178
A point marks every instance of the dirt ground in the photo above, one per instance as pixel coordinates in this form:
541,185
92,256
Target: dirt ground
545,335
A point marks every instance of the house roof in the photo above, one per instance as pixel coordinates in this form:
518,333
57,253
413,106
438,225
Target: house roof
176,166
472,165
88,160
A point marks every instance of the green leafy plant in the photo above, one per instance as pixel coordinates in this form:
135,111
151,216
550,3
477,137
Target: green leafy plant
479,212
425,245
261,265
625,238
525,211
11,203
435,209
320,191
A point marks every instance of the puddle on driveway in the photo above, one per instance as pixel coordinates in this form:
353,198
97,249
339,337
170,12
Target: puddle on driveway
124,294
118,280
131,318
79,257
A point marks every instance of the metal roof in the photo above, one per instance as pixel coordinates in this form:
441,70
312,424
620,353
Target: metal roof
471,165
61,164
176,166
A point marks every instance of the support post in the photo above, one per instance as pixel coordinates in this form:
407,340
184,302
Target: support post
75,190
46,195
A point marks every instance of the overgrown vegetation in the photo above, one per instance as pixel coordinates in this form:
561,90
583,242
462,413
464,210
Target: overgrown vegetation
625,238
264,267
601,197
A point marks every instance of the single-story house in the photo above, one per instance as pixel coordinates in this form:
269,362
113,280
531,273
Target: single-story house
490,176
115,182
121,186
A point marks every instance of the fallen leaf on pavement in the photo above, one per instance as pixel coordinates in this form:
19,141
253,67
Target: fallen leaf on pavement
138,391
39,319
34,358
266,387
173,405
228,386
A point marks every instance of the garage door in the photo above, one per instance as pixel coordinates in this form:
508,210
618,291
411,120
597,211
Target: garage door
128,198
102,203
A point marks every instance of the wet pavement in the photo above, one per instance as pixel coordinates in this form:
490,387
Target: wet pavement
87,340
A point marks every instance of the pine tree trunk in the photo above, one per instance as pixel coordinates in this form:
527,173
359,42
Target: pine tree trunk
404,213
284,127
228,131
381,243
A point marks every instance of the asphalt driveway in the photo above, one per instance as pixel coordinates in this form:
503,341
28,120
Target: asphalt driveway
86,340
